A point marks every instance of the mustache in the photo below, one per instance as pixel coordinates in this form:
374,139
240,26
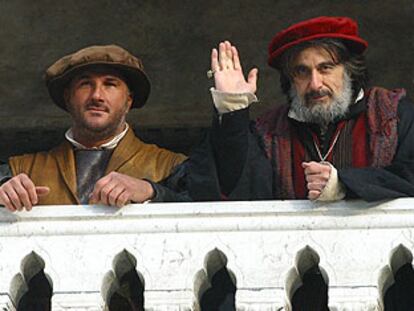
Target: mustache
315,94
96,106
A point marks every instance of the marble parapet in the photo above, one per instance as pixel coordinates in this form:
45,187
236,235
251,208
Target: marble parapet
169,242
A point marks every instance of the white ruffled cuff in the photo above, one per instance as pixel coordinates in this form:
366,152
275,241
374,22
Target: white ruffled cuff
334,189
228,102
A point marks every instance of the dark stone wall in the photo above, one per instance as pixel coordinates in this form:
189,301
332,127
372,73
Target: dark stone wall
174,38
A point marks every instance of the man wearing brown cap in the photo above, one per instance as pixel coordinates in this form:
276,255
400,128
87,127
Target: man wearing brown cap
101,160
335,138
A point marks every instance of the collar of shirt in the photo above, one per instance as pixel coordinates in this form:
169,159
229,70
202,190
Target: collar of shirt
109,145
292,114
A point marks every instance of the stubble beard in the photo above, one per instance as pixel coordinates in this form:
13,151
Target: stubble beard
90,131
322,114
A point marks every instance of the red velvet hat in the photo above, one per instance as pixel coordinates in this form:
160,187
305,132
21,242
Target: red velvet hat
342,28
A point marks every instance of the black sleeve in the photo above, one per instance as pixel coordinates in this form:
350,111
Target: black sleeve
193,180
228,164
229,140
5,173
395,180
174,187
243,171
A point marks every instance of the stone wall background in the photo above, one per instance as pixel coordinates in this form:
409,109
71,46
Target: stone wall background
174,38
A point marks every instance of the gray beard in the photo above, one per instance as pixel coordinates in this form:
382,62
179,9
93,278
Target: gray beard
321,114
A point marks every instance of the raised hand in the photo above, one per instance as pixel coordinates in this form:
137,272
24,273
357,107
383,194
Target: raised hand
117,189
228,73
20,193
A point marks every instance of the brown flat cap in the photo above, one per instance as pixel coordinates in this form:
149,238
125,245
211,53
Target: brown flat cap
130,67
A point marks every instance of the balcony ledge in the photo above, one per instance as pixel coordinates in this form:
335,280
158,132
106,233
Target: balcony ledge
170,240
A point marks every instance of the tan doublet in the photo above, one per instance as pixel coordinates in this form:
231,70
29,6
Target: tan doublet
56,168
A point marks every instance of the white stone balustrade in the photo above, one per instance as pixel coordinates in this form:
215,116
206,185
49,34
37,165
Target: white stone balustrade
170,241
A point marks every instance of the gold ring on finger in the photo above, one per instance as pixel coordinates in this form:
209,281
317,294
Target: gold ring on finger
210,73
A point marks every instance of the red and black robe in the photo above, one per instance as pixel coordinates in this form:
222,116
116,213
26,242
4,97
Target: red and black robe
374,153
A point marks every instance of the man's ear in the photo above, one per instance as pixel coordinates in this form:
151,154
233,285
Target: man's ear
130,99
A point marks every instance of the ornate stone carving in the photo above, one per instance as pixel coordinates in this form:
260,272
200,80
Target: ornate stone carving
31,289
123,287
396,281
215,285
169,241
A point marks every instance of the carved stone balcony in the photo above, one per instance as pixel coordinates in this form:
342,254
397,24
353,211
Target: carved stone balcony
262,255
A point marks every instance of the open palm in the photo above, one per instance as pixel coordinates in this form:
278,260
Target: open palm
228,73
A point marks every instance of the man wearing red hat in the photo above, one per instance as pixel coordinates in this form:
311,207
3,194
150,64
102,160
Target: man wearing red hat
101,160
335,138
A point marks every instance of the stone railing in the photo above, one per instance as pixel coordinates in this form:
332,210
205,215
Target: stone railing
264,255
